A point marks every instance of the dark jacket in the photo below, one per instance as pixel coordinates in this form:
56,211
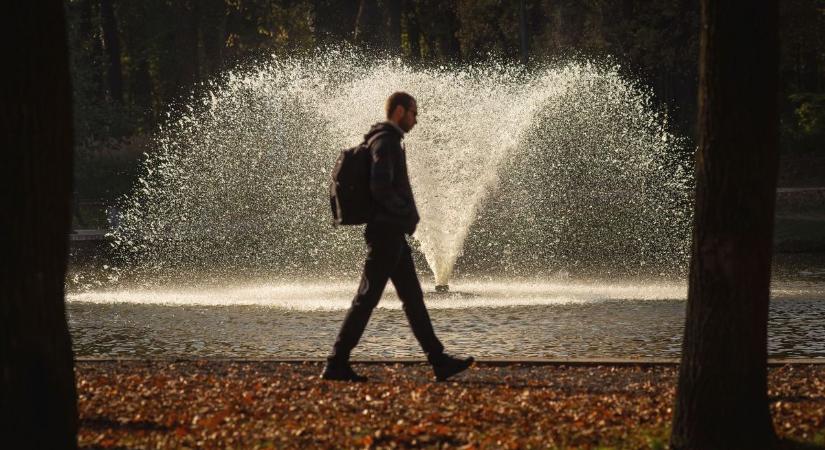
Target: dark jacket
389,182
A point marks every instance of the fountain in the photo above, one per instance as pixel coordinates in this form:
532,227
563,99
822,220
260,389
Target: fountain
559,168
555,220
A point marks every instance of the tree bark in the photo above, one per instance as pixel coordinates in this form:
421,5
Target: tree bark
393,9
142,86
413,32
37,393
368,25
194,38
90,49
85,23
111,44
183,52
570,23
523,31
810,69
213,35
721,401
334,20
448,41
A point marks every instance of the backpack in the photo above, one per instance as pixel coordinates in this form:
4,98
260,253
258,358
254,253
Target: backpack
349,189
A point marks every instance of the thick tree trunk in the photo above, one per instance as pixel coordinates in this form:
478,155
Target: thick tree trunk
721,401
37,394
111,44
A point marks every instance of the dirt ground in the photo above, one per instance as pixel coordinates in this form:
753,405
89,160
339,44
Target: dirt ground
224,404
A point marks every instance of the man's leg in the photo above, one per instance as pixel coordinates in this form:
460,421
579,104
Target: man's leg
409,291
384,249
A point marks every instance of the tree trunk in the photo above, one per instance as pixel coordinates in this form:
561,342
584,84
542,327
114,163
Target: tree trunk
413,32
111,44
448,41
90,50
183,52
142,87
368,25
194,39
628,10
523,31
810,69
334,20
571,20
212,35
37,393
393,10
721,401
85,25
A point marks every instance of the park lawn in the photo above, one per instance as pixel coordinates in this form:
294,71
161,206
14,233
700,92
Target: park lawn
258,404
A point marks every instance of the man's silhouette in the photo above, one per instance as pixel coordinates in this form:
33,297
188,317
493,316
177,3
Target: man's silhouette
389,256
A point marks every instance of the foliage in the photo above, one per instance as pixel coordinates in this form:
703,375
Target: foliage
105,168
803,131
810,113
169,48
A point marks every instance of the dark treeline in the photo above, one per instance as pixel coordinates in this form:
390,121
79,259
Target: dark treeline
133,60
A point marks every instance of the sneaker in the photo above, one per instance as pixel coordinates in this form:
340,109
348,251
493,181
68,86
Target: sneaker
451,366
341,373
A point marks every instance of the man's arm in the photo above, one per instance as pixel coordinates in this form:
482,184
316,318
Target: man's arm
381,177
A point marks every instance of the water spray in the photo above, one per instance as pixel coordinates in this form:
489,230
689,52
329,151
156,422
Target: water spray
565,165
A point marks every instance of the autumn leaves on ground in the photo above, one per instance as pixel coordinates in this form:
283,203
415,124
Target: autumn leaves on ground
221,404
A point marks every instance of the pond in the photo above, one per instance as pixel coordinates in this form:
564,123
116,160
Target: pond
488,319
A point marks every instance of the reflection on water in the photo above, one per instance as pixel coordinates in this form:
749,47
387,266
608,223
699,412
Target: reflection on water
484,319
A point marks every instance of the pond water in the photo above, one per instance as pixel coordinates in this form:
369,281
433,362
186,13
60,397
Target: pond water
562,319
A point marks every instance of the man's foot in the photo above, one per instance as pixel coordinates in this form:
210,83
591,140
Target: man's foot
341,373
450,366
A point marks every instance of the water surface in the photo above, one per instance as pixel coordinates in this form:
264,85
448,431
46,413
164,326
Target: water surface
486,319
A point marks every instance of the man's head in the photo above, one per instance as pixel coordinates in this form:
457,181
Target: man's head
402,110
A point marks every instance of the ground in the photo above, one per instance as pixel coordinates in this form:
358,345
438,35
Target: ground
258,404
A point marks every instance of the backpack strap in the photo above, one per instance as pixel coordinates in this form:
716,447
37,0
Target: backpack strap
374,137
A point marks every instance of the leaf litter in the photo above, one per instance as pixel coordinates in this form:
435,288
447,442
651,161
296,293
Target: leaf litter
267,405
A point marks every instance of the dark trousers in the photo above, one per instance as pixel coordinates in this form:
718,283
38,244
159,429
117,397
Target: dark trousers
388,258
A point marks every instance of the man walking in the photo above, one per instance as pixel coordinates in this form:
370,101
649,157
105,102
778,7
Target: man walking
389,256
